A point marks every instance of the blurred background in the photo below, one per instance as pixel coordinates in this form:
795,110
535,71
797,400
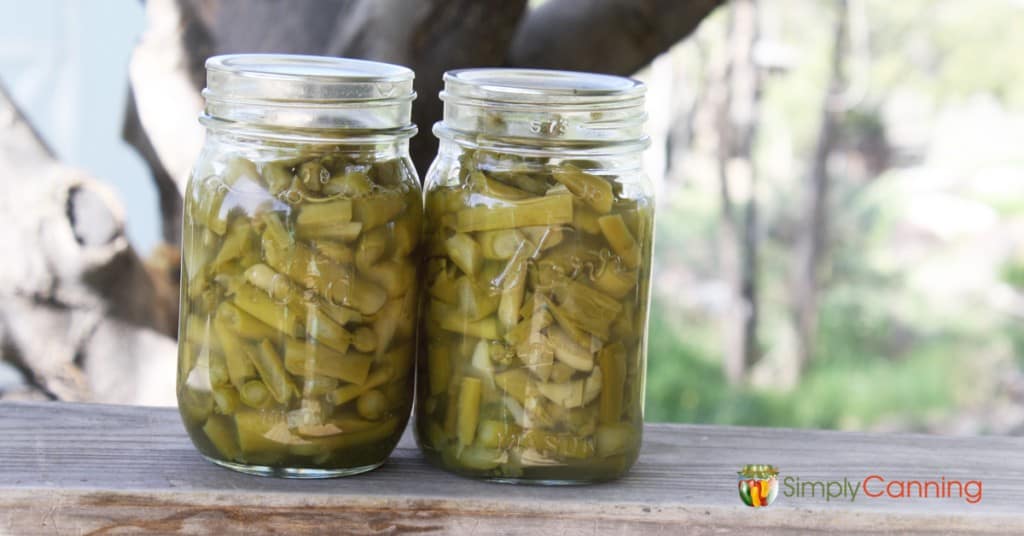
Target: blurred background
840,225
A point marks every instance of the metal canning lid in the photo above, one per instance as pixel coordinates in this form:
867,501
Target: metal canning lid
535,104
758,471
296,91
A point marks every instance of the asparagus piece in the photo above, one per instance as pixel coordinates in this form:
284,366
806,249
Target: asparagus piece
271,369
501,244
475,302
350,290
405,233
314,385
497,434
352,184
255,394
342,315
613,439
372,246
480,182
592,190
395,277
327,332
482,459
377,210
258,304
620,239
513,287
346,231
311,174
304,359
514,382
361,438
614,282
469,410
324,214
239,368
334,251
243,324
236,243
612,360
438,367
347,393
465,253
277,177
548,210
225,399
220,431
443,287
276,285
584,219
568,352
372,405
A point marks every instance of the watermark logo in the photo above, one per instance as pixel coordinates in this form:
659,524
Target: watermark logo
758,485
876,486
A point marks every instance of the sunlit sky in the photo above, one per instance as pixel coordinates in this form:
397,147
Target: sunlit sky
66,63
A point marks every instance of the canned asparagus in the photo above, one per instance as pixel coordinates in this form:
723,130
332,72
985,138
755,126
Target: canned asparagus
536,295
299,289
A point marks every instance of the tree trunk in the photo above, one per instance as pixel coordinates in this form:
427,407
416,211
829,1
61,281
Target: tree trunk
81,318
430,36
737,122
813,239
604,36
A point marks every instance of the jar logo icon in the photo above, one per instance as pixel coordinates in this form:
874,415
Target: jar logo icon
758,485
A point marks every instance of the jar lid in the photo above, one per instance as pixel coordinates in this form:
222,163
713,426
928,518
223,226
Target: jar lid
537,106
318,92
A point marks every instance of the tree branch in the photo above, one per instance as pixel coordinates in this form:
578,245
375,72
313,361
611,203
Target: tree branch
68,272
607,36
430,37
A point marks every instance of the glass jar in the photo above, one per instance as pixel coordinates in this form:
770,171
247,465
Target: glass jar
538,237
299,266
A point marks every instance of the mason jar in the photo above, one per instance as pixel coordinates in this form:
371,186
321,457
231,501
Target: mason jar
538,236
299,266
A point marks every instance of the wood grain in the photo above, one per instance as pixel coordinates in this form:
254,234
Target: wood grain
98,469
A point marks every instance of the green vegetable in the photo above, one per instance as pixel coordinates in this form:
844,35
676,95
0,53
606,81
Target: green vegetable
299,298
536,278
469,410
548,210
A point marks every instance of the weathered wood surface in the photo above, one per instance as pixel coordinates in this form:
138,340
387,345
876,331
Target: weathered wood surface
96,469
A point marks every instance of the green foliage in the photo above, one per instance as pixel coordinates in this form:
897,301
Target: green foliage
906,323
1013,273
850,387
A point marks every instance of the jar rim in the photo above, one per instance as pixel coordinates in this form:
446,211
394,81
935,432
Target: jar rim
540,86
308,92
292,65
305,78
543,106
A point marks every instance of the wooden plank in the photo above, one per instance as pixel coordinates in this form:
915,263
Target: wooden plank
97,469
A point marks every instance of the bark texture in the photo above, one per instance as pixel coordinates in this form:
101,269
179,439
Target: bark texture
81,317
605,36
811,247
